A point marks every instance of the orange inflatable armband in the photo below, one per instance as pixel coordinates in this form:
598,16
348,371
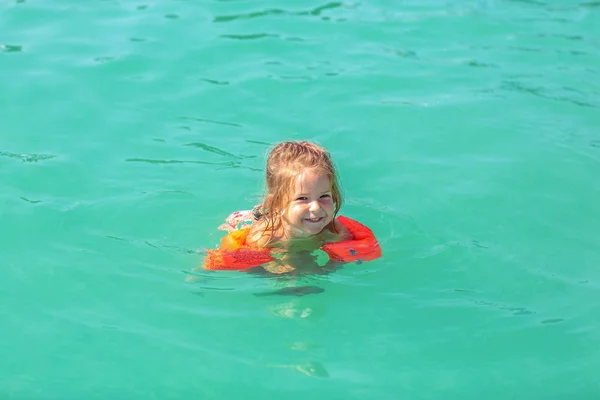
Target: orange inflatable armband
362,247
235,254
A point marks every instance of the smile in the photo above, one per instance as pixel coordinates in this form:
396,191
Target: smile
314,220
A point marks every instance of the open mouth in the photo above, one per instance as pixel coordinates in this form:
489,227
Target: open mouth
314,220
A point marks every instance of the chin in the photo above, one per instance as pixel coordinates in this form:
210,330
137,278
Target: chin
316,229
313,232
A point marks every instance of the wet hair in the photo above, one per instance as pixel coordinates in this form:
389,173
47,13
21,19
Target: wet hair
285,162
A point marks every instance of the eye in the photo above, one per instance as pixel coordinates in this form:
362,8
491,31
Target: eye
302,198
326,196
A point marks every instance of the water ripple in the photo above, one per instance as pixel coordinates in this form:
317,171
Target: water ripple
30,201
215,82
7,48
251,36
543,93
257,14
155,161
275,11
27,157
211,121
590,4
212,149
226,164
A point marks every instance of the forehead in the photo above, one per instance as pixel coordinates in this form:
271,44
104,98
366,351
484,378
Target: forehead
312,181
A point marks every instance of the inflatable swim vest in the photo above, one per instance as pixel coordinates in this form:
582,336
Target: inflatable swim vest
235,254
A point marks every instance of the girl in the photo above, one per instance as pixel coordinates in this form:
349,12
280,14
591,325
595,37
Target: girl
296,217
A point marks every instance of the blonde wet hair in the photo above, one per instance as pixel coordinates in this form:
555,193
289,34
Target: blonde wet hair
285,162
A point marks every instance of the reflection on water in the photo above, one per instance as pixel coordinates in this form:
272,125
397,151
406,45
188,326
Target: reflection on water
290,310
311,368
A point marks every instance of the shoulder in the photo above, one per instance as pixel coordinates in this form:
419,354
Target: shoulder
342,230
259,236
339,233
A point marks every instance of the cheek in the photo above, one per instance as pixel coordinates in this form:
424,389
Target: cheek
294,210
328,203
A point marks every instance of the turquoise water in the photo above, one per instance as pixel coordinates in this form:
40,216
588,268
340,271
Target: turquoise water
466,136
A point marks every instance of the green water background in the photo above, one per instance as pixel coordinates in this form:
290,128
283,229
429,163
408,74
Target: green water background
466,134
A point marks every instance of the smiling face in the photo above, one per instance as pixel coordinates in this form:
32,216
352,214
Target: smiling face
303,194
311,207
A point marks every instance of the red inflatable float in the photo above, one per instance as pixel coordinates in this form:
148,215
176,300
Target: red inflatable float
235,254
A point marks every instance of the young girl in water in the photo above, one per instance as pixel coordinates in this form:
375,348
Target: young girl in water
297,215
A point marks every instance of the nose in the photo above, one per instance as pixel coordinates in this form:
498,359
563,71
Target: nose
314,206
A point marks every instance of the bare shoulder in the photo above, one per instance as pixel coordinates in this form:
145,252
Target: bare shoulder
258,236
341,233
